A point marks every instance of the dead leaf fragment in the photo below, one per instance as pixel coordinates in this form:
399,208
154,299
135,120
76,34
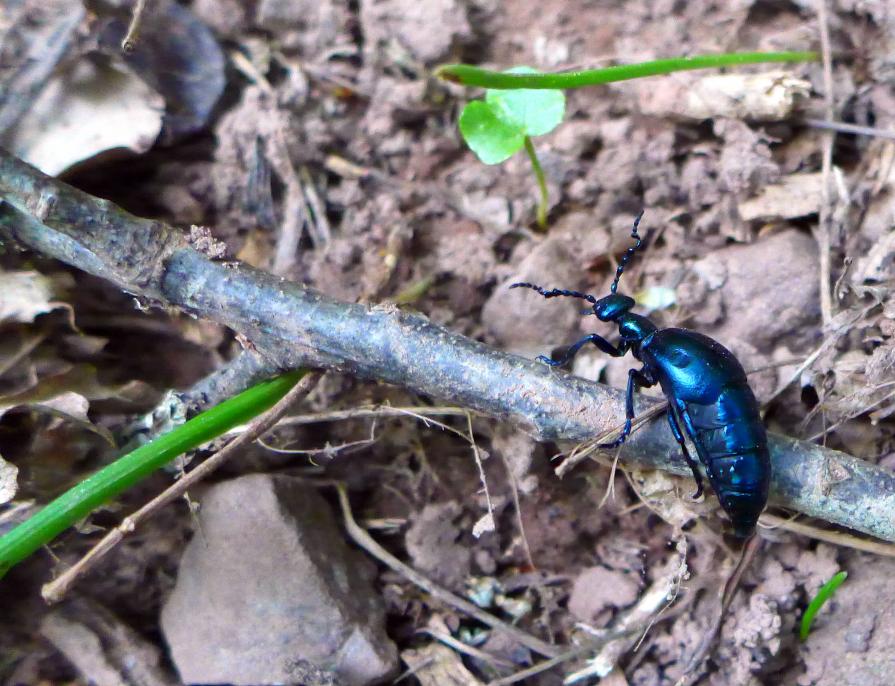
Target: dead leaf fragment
878,265
764,97
67,394
771,96
8,483
437,665
24,295
797,195
73,407
88,108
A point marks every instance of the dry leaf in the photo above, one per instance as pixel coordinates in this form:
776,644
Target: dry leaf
67,395
24,295
8,483
73,407
797,195
771,96
86,109
878,265
437,665
484,525
763,97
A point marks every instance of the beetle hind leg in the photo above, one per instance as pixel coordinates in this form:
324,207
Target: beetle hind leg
679,437
626,431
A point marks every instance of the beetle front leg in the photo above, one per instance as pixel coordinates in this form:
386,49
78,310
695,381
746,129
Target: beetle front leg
679,437
597,340
643,379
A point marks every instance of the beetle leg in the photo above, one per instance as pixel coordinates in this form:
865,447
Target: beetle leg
642,378
676,430
597,340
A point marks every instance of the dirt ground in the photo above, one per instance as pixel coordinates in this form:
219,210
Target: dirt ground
313,141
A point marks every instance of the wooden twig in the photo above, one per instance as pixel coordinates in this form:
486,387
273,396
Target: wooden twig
842,127
359,535
517,507
461,647
243,371
56,589
644,614
594,643
129,42
839,538
420,413
825,219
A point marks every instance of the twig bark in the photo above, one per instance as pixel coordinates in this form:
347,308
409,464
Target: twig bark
298,327
243,371
129,42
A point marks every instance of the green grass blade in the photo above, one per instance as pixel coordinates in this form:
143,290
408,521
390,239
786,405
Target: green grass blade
468,75
109,482
823,595
542,183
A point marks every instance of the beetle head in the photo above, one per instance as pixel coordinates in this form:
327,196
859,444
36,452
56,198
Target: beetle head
611,307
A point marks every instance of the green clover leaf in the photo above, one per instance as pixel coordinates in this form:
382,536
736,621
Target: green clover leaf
495,128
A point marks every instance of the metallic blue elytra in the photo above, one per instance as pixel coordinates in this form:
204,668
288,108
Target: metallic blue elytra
709,398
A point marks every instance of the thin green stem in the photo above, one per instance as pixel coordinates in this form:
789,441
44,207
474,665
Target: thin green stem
468,75
823,595
109,482
542,183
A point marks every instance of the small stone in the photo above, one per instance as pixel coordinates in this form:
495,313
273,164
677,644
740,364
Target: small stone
268,588
598,589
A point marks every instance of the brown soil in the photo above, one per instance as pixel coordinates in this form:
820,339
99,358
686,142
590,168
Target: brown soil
330,109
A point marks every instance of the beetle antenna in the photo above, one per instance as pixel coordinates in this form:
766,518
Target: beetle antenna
628,253
556,292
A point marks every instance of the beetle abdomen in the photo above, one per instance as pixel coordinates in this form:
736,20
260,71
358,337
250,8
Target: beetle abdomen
732,444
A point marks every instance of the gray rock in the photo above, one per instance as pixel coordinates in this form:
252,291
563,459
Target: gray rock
524,322
767,289
269,592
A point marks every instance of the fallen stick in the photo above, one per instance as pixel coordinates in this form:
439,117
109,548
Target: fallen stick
297,327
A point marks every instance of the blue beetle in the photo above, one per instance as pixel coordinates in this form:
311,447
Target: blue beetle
709,398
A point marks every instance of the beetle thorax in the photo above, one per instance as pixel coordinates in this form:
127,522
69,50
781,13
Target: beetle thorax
634,328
